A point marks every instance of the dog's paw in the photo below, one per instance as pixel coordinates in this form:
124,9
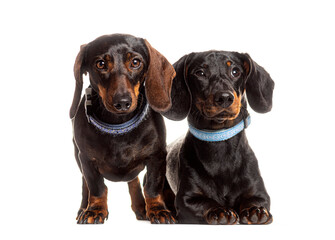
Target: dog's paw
160,216
221,215
255,215
92,216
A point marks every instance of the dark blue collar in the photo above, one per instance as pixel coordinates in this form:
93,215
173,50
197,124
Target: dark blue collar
115,129
219,135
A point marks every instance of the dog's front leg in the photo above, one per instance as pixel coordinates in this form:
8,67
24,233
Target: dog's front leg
96,211
153,191
84,201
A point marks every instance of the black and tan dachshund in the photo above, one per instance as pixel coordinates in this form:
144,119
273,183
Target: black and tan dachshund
117,128
213,171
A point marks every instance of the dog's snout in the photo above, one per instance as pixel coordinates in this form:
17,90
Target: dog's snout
224,99
122,102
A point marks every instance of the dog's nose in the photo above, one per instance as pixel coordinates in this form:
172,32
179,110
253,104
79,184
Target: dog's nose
122,102
224,99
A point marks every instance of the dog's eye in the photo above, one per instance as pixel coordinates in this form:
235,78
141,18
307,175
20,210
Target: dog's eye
235,72
200,73
100,64
135,63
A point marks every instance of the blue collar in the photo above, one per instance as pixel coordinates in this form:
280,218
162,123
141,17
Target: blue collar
115,129
220,135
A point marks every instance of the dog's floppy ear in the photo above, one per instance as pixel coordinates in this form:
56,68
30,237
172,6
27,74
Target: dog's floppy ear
259,86
78,75
158,80
180,93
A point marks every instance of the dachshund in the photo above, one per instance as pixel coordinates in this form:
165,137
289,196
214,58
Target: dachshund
212,170
117,128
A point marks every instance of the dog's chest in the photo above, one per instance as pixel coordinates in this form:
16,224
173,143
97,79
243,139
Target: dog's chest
220,170
223,183
121,159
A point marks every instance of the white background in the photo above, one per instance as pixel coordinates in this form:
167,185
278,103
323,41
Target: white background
40,189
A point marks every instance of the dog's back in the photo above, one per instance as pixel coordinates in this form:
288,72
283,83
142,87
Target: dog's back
172,161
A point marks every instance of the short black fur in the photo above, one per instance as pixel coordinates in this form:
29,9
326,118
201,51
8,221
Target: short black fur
218,182
118,66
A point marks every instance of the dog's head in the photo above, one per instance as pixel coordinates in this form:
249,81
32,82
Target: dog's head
118,66
214,83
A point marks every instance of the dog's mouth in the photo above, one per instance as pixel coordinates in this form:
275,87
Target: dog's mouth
217,114
221,116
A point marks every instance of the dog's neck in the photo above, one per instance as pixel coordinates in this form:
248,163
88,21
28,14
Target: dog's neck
106,116
197,120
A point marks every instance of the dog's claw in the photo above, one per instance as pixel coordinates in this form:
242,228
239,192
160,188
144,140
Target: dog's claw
256,215
162,216
221,216
92,217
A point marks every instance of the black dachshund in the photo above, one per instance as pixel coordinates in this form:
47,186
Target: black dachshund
213,171
116,132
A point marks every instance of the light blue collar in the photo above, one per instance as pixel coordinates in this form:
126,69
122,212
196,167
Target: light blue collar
114,129
220,135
